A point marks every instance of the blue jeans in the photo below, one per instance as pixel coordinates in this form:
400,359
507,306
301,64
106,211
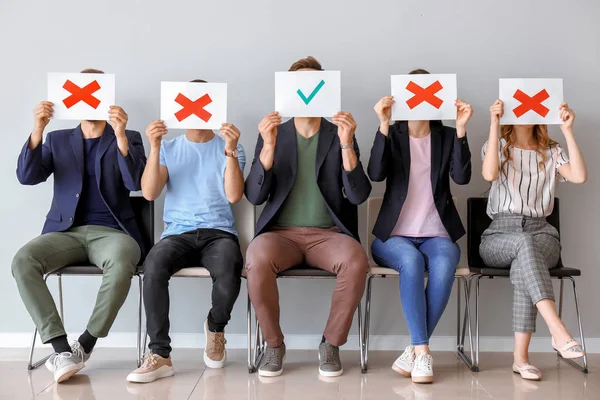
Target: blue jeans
411,257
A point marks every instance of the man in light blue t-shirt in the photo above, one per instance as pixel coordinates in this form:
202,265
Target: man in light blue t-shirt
203,173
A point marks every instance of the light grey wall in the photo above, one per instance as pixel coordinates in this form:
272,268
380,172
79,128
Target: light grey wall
243,43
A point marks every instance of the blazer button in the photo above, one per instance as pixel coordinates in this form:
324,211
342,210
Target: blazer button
77,195
70,219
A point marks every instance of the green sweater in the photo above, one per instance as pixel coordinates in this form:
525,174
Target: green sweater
305,205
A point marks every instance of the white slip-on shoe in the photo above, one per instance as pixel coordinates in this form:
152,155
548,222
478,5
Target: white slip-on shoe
405,363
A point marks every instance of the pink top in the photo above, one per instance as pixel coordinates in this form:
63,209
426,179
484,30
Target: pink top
419,217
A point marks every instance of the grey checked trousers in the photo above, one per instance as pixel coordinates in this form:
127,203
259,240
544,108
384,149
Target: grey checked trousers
530,247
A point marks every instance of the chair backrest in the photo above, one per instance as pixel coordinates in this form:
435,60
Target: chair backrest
373,207
144,216
478,221
245,222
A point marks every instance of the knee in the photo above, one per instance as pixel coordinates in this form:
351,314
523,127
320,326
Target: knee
24,263
259,261
355,263
155,270
412,265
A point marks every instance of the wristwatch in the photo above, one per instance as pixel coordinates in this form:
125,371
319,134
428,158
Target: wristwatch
233,154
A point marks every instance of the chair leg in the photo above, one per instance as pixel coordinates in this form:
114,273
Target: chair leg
361,338
249,322
31,365
139,327
476,363
583,368
367,326
460,334
60,299
560,298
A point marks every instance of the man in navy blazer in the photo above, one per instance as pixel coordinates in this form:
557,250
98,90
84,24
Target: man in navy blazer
308,171
95,166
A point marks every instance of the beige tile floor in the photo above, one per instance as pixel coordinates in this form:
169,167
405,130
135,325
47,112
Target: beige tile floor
104,378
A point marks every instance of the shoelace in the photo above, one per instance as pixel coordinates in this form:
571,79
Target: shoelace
217,341
61,356
407,356
149,360
423,363
331,355
77,349
272,356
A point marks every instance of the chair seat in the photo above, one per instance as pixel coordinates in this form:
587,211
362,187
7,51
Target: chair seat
192,272
377,270
83,270
303,271
561,272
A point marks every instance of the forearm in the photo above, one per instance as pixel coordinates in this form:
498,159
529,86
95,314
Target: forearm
490,170
151,182
35,139
123,145
267,156
234,180
578,167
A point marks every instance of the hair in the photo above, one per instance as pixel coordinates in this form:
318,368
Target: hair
540,135
308,62
419,71
198,81
92,71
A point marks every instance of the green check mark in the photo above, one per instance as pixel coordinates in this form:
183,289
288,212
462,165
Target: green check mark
308,99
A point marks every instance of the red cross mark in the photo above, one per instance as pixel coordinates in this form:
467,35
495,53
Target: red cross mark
424,94
531,103
193,107
81,94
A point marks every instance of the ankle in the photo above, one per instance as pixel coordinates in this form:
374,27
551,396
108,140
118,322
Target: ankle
422,349
521,359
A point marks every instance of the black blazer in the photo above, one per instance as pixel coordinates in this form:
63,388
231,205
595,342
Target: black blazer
342,190
390,159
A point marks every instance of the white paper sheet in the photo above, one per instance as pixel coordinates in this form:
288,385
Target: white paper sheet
531,101
424,97
308,93
193,105
81,96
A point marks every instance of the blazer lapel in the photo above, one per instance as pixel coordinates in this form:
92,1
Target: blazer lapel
404,144
326,135
108,136
77,145
286,138
436,154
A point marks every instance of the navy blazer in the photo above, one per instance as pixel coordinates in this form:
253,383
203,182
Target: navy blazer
62,155
390,159
342,190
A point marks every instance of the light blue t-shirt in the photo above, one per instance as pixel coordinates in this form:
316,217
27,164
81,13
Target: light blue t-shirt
196,185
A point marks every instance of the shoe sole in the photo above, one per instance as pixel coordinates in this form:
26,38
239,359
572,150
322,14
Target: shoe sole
213,364
69,372
569,356
401,371
271,374
163,372
331,374
528,379
422,379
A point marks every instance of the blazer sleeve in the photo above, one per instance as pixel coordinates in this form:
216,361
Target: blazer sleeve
258,182
380,152
460,165
132,166
35,165
356,183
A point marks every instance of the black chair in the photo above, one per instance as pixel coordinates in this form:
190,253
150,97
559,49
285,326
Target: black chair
478,222
144,215
300,272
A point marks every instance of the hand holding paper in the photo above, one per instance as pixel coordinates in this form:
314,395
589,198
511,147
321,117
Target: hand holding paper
154,132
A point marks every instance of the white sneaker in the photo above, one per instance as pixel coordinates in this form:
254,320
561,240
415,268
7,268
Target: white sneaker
76,349
65,365
405,363
423,369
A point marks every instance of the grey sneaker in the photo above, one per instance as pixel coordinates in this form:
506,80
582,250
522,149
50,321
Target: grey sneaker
65,365
76,349
272,362
329,357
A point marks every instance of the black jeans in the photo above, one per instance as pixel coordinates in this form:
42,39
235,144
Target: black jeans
216,250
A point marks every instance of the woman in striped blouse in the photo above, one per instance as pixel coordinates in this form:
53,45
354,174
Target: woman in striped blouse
523,164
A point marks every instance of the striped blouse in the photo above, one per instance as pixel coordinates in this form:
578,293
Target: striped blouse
526,189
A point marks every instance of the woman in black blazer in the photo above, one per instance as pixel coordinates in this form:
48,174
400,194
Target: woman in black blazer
418,225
